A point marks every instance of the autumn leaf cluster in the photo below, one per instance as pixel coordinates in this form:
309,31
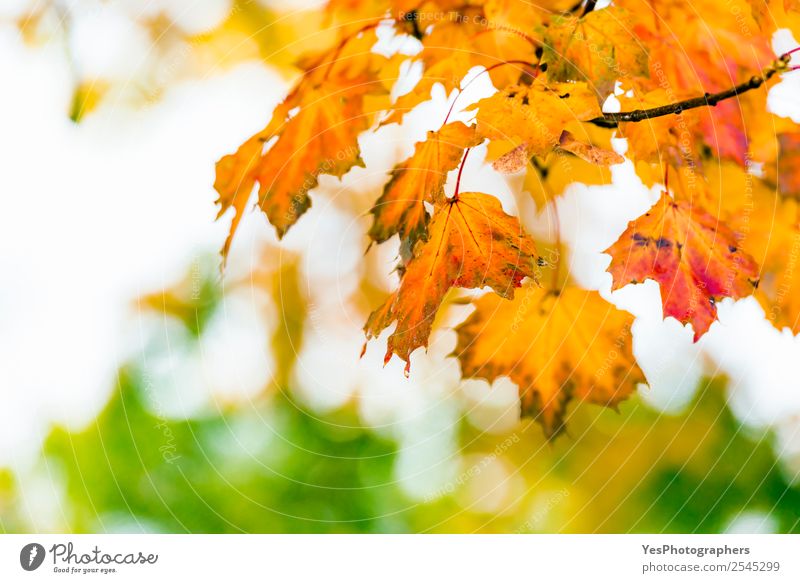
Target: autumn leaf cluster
690,82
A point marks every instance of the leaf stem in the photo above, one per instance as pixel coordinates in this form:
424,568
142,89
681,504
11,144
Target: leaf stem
460,170
612,120
486,70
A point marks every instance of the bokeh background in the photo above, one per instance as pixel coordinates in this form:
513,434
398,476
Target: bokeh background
141,391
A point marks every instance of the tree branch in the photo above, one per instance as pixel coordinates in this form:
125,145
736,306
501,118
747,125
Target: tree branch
590,5
612,120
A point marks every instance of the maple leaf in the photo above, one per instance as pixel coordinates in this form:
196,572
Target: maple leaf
694,258
556,346
769,227
659,138
472,244
780,292
693,53
322,138
352,12
533,117
725,131
313,131
316,132
599,48
591,153
552,177
774,14
505,37
441,64
351,59
236,177
784,171
421,178
517,159
351,16
480,40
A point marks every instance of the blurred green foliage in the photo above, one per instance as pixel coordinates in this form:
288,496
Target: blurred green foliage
276,468
272,466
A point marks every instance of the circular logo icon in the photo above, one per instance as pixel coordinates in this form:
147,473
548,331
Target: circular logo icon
31,556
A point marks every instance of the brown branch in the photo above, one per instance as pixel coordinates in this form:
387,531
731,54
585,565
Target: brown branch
612,120
590,5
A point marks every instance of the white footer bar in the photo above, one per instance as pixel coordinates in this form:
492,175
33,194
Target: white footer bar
389,558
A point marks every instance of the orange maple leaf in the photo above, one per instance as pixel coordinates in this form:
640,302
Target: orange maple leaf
692,52
236,176
694,258
421,178
555,346
472,244
316,132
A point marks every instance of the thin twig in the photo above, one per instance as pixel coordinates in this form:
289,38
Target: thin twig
589,7
612,120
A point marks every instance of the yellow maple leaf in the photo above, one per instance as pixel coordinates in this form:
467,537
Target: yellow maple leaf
769,227
535,115
555,346
466,38
599,48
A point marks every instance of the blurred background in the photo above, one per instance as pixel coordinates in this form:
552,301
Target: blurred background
141,391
